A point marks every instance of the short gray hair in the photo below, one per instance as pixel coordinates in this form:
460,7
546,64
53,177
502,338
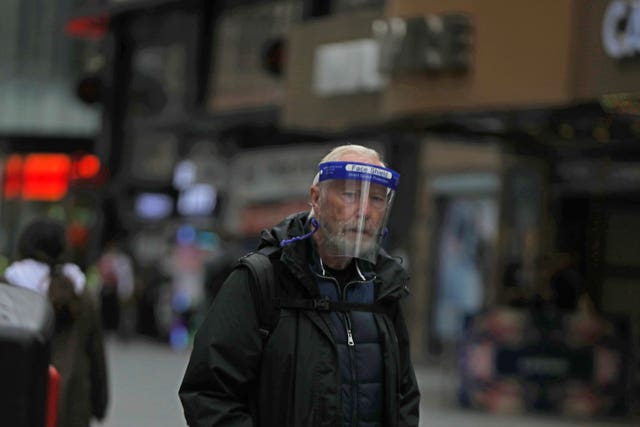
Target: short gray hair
338,152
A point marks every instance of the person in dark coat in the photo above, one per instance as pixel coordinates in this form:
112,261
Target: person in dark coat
567,285
77,346
317,367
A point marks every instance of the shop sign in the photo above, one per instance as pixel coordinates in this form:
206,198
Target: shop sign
347,67
621,29
430,43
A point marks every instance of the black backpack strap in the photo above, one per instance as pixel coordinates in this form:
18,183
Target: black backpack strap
324,304
263,287
268,302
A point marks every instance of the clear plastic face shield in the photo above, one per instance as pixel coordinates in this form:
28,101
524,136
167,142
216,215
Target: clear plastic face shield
354,204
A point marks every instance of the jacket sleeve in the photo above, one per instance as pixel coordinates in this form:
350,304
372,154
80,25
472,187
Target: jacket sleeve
409,399
224,361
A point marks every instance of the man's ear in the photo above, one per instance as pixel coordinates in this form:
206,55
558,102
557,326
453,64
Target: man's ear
314,197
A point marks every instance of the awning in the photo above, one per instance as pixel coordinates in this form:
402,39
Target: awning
91,20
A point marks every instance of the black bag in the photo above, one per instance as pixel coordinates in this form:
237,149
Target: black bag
26,330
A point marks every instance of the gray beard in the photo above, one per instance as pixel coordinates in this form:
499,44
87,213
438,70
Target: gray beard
339,243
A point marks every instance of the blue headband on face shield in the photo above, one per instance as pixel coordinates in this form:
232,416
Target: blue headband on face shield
360,172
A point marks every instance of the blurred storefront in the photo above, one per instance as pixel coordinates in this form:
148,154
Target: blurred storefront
502,98
46,132
38,71
64,186
514,126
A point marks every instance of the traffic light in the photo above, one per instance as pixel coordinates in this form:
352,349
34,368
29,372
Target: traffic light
273,56
90,89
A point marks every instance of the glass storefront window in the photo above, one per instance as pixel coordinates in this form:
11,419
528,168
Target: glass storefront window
39,66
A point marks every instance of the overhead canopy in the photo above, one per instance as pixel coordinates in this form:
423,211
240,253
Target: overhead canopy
91,20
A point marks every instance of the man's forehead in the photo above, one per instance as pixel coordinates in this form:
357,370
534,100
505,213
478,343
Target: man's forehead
360,158
354,184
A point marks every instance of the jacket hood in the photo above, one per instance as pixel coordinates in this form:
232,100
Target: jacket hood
292,226
390,275
34,275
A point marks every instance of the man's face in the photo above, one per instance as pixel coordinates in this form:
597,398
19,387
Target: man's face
351,214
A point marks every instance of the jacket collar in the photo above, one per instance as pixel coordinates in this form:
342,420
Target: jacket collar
390,277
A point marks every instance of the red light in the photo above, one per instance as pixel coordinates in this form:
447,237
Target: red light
13,176
78,235
88,27
86,167
46,176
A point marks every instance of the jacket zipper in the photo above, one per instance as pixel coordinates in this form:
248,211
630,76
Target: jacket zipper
351,344
347,318
349,335
354,374
343,297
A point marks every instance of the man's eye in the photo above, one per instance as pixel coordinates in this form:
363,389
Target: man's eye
351,196
378,201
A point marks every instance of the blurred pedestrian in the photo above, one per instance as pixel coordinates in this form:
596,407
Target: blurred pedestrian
77,346
563,287
117,285
567,285
338,353
514,285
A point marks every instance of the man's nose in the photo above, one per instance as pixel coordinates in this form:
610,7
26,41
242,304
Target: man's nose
364,208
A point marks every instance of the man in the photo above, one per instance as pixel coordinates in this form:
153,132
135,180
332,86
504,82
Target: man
318,367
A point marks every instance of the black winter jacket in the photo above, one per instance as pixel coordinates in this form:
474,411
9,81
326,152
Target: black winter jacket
235,378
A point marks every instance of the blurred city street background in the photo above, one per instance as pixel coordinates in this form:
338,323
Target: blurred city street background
167,134
145,376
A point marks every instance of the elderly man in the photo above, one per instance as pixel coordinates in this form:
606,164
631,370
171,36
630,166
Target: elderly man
338,353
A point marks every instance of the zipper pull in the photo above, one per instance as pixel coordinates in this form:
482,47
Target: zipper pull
350,338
